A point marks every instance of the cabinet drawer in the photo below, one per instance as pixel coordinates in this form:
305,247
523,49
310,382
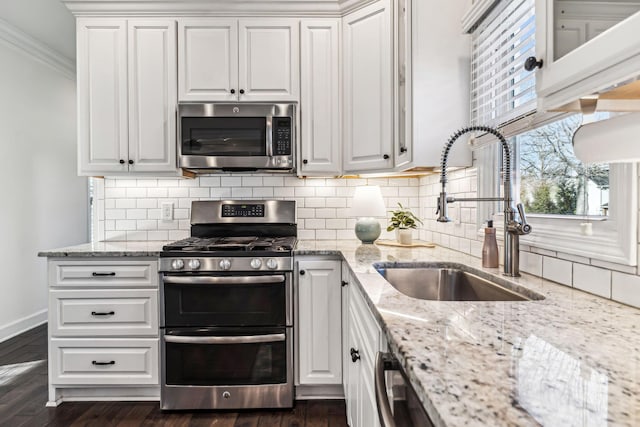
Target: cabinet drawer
103,312
103,273
104,361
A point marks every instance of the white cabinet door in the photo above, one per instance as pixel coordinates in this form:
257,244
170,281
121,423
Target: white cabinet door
319,322
152,96
368,106
269,63
102,96
208,60
320,97
581,59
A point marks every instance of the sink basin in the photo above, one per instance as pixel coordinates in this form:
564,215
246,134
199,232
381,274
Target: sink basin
449,282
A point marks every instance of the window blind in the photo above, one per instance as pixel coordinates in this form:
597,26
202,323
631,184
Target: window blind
502,91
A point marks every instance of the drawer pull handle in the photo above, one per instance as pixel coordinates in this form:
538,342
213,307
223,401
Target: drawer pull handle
96,363
99,274
103,313
355,355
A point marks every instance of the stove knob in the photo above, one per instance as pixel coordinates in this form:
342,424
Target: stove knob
225,264
194,264
256,263
272,264
177,264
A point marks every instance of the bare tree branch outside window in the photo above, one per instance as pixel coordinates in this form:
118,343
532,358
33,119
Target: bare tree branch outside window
553,180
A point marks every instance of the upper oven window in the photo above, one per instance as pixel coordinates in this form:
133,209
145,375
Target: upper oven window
223,301
224,136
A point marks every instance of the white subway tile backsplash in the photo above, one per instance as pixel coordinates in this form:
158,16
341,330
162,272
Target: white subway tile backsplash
218,194
241,193
210,181
592,279
557,270
230,181
136,214
157,192
625,288
158,235
178,192
129,209
531,263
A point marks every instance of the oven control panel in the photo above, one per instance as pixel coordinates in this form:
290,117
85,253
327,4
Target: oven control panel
226,264
248,210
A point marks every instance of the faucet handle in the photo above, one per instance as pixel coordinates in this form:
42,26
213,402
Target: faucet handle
524,225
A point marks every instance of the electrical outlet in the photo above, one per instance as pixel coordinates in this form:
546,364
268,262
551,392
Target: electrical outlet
167,211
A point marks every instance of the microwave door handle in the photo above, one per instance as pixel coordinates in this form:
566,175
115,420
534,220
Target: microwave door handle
269,138
251,339
224,280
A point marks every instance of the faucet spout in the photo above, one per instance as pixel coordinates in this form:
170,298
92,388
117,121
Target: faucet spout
512,228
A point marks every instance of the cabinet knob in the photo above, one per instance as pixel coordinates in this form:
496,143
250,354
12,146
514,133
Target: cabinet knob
130,162
305,161
531,63
355,355
241,91
233,91
386,157
403,149
302,272
121,162
344,283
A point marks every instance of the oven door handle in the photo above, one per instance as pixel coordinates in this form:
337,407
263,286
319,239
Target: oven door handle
226,280
251,339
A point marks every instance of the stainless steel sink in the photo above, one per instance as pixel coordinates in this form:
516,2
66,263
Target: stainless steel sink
449,283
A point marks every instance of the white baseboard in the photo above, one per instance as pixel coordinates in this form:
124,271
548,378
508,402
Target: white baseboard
19,326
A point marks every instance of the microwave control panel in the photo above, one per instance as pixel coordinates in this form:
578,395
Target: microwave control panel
282,136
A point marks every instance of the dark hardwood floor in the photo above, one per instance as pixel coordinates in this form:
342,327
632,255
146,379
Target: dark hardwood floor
23,394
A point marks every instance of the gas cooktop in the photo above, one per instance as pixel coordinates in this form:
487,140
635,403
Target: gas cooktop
239,244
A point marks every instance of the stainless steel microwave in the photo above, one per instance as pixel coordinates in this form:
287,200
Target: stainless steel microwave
236,137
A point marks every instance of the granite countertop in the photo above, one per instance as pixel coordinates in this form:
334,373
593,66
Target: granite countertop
571,359
108,249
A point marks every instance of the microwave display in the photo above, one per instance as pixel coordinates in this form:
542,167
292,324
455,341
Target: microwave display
236,136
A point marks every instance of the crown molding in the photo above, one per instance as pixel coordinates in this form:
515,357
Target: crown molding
23,42
177,8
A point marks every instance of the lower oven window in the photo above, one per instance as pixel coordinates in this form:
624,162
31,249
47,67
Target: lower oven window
251,363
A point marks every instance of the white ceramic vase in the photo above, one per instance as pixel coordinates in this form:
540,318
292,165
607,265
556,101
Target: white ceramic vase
404,236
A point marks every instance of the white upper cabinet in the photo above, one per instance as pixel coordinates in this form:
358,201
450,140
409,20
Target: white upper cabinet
320,97
152,96
368,105
269,60
238,60
102,96
439,82
208,59
126,96
585,48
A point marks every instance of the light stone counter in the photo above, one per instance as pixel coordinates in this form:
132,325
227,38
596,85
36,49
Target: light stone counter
572,359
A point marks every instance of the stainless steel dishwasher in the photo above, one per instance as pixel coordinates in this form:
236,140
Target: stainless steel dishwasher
398,405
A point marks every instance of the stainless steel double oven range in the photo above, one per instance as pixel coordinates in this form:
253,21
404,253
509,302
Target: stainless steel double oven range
227,308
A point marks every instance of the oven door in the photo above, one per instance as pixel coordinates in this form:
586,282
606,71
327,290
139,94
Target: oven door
227,300
228,368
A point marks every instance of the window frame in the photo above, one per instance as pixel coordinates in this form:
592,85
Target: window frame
613,239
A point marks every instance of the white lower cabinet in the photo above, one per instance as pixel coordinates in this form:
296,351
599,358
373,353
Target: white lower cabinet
103,329
364,340
318,321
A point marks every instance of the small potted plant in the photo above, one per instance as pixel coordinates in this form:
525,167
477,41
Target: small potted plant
403,221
